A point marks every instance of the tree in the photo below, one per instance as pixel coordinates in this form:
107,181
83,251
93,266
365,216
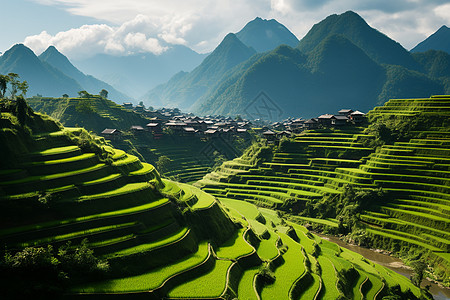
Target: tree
419,267
14,83
85,106
23,87
163,164
104,93
84,94
22,110
4,79
65,96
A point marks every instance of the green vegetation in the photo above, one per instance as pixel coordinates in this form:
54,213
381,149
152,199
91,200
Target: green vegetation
164,239
92,112
148,281
210,285
384,187
235,247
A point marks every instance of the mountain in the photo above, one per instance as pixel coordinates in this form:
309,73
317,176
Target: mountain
89,83
185,88
335,75
138,73
440,40
264,35
378,46
341,62
41,76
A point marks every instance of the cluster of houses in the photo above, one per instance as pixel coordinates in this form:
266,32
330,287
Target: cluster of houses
290,126
172,121
344,117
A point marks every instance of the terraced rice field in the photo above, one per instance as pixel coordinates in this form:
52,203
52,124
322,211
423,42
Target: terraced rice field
318,163
169,240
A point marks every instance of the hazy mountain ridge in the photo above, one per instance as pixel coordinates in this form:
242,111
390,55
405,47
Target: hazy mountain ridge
42,77
136,74
91,84
51,74
294,81
185,88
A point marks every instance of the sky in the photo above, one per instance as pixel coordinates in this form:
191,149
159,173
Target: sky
83,28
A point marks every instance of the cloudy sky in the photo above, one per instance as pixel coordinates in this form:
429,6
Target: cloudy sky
80,28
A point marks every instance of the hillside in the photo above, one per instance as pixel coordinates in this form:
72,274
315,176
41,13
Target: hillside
440,40
377,46
435,63
93,113
136,74
385,186
264,35
185,88
188,163
293,81
41,76
158,238
89,83
342,53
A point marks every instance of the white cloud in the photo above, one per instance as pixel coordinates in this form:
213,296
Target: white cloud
153,26
443,11
131,37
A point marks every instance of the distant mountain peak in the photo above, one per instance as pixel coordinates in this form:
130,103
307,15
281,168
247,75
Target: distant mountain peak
52,48
440,40
231,37
19,49
52,52
17,54
231,43
377,45
264,35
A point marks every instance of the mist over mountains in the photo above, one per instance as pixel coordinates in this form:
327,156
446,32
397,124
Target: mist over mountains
136,74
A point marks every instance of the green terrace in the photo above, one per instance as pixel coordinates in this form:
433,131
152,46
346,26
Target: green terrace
415,173
221,239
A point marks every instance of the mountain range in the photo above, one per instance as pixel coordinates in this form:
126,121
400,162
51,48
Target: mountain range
51,74
136,74
342,62
184,89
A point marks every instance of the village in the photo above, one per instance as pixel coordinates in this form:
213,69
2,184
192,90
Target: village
171,121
